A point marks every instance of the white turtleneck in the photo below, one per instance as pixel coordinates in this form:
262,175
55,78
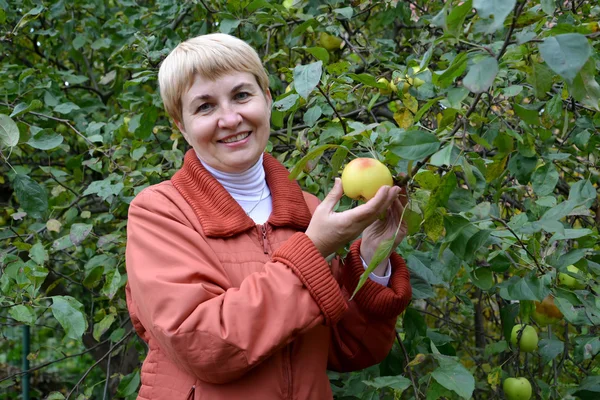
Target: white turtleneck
250,190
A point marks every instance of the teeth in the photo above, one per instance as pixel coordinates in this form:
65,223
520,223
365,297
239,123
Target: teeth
237,138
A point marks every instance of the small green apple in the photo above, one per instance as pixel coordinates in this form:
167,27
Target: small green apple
388,89
517,389
330,42
546,312
362,178
569,281
529,338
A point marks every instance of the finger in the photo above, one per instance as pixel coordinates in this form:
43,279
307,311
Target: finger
368,211
333,196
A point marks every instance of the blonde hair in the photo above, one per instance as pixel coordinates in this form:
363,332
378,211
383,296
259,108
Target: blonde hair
210,56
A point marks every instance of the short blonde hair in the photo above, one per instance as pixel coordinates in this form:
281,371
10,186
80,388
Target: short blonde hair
210,56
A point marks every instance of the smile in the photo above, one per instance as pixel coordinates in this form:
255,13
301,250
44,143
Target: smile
236,138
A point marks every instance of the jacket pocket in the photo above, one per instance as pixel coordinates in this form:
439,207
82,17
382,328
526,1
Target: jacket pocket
191,393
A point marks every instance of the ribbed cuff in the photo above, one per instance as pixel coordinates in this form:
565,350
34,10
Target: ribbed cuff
300,254
383,302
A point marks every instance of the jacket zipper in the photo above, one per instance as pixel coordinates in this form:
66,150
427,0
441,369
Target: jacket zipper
287,364
264,238
190,395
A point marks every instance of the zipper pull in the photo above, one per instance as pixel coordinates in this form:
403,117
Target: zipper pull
264,235
191,393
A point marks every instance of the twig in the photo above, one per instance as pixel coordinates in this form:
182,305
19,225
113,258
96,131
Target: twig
98,362
520,242
412,378
334,110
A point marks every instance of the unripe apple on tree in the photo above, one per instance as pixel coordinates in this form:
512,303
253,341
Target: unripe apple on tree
330,42
569,281
517,389
546,312
362,178
529,338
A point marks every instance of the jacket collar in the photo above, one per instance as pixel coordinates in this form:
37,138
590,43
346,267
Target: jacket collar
221,216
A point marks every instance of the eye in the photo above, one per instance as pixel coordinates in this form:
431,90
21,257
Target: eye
204,107
242,95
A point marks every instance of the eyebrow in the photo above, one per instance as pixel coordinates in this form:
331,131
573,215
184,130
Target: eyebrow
236,88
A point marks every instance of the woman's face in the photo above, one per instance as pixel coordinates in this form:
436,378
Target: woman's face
226,121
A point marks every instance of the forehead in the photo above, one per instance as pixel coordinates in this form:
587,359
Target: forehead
224,84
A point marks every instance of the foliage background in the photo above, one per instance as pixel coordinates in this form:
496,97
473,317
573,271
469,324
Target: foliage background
495,131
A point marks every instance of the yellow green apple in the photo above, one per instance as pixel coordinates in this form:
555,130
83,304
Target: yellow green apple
330,42
546,312
529,338
362,178
569,281
517,389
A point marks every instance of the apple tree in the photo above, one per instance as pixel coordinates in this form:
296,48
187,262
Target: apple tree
487,111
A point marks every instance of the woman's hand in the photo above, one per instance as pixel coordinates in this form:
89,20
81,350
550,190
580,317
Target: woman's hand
383,229
330,230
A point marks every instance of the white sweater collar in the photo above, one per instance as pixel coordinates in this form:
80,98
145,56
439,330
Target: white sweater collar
244,186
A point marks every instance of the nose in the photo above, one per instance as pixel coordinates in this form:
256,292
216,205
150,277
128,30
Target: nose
229,117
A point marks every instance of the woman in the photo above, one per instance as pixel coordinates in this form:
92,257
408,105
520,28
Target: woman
228,282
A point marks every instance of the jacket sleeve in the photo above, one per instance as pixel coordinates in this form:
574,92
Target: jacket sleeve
365,334
182,296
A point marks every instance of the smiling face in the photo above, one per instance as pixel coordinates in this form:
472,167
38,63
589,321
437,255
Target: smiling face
226,120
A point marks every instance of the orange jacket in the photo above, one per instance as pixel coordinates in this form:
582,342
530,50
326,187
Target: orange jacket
234,310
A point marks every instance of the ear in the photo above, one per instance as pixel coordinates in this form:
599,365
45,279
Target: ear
269,98
181,128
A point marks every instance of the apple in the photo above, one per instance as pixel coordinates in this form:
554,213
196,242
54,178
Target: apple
362,178
546,312
529,337
517,389
569,281
388,89
330,42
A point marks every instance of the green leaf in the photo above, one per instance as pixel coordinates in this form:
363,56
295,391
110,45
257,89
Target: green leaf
104,188
228,25
66,108
23,108
483,278
426,108
319,53
312,115
79,41
22,313
549,349
428,180
382,252
456,19
457,378
481,75
495,348
500,9
9,132
585,88
31,196
45,139
589,388
286,103
541,80
346,12
113,283
517,288
55,396
566,54
38,253
398,383
548,6
413,145
69,313
103,326
307,77
311,155
129,384
79,232
544,179
456,69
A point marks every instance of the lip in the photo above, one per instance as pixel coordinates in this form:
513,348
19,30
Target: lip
239,143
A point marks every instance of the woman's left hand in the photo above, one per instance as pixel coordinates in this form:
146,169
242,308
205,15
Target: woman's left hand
383,229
